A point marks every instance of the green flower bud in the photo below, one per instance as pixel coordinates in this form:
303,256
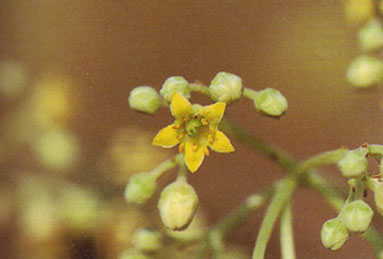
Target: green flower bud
226,87
132,254
356,216
271,102
178,204
353,163
377,184
334,234
145,99
365,71
147,240
140,188
371,35
175,84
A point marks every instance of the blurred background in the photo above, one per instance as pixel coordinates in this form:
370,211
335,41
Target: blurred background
69,141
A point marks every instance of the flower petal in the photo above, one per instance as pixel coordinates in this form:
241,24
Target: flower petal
221,143
193,157
180,106
167,137
213,113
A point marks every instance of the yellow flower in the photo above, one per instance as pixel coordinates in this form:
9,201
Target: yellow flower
195,129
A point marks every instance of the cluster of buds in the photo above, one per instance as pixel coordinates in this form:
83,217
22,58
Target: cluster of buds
366,70
355,217
225,88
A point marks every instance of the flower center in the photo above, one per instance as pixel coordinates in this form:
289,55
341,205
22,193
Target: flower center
192,127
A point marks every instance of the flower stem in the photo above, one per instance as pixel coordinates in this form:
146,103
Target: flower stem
287,236
329,157
282,195
165,166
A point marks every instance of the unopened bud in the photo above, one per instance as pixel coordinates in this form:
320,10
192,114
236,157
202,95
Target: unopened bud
356,216
353,163
178,204
271,102
133,254
334,234
147,240
140,188
371,35
175,84
145,99
365,71
377,186
358,11
226,87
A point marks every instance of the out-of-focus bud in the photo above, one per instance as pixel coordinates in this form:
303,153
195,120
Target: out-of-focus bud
353,163
133,254
358,11
145,99
178,204
334,234
13,78
147,240
226,87
175,84
140,188
377,185
356,216
271,102
371,35
365,71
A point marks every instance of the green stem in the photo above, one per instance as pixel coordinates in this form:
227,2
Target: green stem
282,195
329,157
242,135
250,93
200,88
287,236
165,166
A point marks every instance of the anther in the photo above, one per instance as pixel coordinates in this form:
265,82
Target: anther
206,151
186,119
180,136
210,138
211,131
181,148
176,126
204,122
194,147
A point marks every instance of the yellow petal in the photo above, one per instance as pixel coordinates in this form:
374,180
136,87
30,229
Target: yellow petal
221,143
180,106
167,137
213,113
193,159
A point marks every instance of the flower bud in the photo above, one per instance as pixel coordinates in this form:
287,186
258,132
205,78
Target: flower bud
140,188
145,99
365,71
226,87
334,234
371,35
178,204
377,184
356,216
175,84
133,254
353,163
358,11
147,240
271,102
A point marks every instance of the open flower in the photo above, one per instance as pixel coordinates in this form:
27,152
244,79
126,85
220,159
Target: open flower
195,129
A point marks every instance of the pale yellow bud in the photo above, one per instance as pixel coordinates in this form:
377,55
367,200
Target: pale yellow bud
365,71
226,87
175,84
145,99
371,35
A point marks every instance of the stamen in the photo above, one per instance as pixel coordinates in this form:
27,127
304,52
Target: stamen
204,122
180,136
206,151
210,138
176,126
211,131
186,119
181,148
194,147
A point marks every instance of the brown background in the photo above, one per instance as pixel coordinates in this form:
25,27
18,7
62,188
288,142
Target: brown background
302,48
